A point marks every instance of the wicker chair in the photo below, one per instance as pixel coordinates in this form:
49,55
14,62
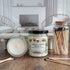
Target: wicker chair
6,24
48,22
7,21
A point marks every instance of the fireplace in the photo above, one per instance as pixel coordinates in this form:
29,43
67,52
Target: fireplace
29,16
29,20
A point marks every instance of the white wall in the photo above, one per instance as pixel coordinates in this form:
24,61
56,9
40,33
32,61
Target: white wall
5,8
51,8
64,7
1,7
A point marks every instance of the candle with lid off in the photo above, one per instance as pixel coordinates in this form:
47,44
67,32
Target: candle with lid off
17,46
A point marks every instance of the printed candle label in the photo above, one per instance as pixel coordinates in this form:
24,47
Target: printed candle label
38,45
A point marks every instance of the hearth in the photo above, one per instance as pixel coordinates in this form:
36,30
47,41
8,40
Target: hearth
29,20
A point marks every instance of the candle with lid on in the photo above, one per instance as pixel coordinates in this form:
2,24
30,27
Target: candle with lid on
38,43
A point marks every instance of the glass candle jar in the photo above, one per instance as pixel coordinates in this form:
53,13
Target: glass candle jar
38,43
61,37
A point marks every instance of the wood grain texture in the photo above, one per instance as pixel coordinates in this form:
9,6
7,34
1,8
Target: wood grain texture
29,63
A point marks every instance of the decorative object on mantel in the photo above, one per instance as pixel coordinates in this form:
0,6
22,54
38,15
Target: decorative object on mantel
28,3
19,5
22,5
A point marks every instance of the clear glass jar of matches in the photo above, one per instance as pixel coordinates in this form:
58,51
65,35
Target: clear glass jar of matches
61,38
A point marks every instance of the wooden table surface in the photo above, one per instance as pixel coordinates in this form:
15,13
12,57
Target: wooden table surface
28,63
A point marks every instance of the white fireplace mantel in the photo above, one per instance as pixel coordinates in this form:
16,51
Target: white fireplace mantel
41,11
